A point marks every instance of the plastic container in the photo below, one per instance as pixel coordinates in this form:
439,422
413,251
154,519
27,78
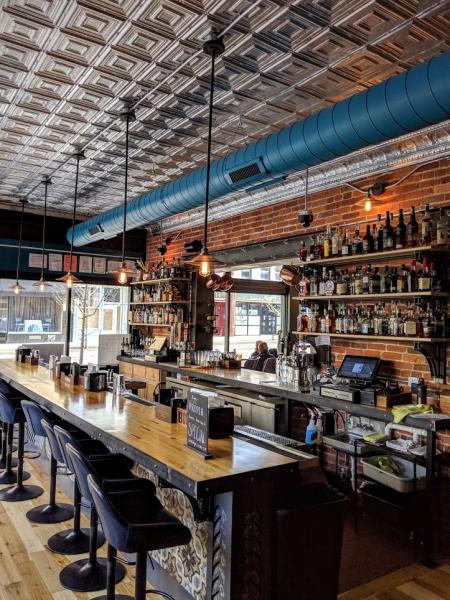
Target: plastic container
403,484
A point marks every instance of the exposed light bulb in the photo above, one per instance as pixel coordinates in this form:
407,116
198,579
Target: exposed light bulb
17,288
69,280
368,204
122,276
41,286
205,266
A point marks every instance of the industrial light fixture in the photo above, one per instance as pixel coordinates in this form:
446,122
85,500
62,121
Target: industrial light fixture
204,261
42,285
368,201
124,272
69,278
17,288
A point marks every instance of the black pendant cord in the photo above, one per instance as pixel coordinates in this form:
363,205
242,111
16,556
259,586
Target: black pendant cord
125,201
46,182
306,186
208,154
19,251
78,156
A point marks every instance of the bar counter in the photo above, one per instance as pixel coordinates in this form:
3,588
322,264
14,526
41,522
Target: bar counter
227,501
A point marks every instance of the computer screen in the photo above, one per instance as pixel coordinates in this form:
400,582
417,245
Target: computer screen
359,368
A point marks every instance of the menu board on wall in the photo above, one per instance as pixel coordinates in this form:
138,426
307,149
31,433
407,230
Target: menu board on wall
55,262
99,265
85,264
114,265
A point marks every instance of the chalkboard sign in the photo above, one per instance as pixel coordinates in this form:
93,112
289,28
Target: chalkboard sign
197,423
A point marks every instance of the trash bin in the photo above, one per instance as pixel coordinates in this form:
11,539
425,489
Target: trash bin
308,529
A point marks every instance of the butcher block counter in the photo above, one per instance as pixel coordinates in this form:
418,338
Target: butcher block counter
227,501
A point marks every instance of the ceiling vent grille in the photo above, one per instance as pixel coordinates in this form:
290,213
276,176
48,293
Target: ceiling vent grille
249,172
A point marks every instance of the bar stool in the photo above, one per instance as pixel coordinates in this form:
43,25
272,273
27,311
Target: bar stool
75,540
88,575
51,512
134,521
7,391
11,413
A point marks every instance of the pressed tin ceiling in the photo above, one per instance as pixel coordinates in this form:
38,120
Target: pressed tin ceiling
66,67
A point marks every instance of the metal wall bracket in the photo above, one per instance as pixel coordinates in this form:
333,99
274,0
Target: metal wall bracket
202,508
435,354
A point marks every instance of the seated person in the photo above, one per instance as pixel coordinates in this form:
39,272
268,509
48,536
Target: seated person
263,355
256,351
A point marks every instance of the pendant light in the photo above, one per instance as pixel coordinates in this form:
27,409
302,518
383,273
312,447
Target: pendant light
69,278
124,272
17,288
43,285
204,261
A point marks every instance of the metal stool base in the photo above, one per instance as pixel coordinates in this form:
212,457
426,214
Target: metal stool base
14,462
20,493
50,513
82,576
72,542
8,478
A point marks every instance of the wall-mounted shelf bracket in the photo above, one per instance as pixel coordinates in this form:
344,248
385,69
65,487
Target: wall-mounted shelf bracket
435,354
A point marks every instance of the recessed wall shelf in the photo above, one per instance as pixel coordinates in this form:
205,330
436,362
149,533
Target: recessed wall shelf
358,297
361,336
155,281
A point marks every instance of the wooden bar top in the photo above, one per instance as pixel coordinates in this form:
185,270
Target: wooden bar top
133,429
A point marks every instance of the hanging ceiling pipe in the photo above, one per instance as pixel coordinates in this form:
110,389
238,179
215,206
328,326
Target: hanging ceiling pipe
401,104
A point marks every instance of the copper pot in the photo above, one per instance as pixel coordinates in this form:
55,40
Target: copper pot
289,275
213,281
226,282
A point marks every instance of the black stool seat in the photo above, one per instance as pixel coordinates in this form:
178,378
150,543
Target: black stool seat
75,540
90,574
135,521
51,512
12,414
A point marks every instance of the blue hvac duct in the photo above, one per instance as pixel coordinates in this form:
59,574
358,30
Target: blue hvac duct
402,104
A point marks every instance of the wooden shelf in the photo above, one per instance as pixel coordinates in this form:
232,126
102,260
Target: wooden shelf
359,258
358,297
159,303
390,338
152,324
165,280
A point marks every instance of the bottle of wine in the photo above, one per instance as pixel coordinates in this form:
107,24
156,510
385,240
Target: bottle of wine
380,245
427,223
388,234
412,229
357,244
442,227
368,241
400,232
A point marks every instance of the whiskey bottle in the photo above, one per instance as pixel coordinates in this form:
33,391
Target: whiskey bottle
335,242
442,227
368,242
330,284
358,282
313,284
341,285
327,243
427,227
346,246
374,283
357,244
366,275
303,252
400,232
412,277
424,278
412,230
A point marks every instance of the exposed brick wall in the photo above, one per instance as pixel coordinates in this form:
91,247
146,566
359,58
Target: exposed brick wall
430,183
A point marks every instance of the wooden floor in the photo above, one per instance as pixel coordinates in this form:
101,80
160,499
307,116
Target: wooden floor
29,571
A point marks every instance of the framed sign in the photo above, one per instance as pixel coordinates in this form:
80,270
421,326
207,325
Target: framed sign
99,265
85,264
198,423
114,265
55,262
73,266
35,261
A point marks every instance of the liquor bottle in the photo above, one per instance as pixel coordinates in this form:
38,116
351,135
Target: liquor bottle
346,246
322,282
427,227
303,252
412,277
368,242
400,232
388,234
366,274
330,284
341,285
428,328
358,282
317,248
424,277
327,243
442,227
393,282
374,283
412,229
380,243
402,280
303,286
357,244
384,281
410,323
335,242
